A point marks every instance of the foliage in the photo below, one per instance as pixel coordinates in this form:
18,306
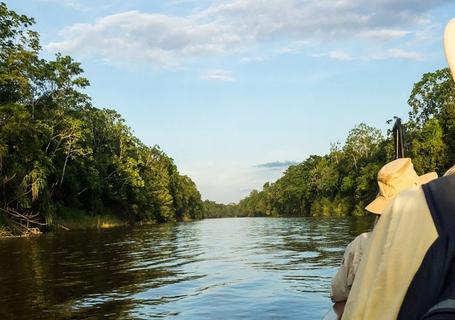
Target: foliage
431,123
211,209
59,151
344,181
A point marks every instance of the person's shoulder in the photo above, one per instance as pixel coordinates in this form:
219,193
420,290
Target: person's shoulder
360,240
410,193
408,204
363,236
408,198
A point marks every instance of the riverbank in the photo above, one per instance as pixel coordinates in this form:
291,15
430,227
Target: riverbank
76,219
65,219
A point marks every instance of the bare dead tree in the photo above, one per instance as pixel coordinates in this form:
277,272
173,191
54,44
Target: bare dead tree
26,222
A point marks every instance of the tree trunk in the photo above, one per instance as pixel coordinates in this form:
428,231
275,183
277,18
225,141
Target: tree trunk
64,167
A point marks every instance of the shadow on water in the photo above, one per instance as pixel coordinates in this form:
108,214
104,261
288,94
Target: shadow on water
223,268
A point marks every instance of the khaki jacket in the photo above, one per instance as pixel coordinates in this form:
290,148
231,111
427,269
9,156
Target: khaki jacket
397,247
343,279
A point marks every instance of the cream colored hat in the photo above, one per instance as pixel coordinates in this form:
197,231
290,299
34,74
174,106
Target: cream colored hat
394,177
449,45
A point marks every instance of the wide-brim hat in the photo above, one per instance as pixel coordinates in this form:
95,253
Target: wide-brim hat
394,177
449,45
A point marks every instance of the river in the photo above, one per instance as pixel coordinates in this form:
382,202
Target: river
244,268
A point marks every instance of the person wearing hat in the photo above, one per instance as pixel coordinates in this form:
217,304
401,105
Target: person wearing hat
401,244
394,177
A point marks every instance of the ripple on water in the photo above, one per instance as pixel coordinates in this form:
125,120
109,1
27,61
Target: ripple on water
250,268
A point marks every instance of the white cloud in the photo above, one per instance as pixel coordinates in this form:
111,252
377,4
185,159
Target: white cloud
395,53
385,34
137,37
386,54
218,75
336,55
339,55
242,27
72,4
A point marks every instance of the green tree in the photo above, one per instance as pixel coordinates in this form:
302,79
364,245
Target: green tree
433,98
58,151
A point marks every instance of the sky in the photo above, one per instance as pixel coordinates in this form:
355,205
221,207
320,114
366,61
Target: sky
235,91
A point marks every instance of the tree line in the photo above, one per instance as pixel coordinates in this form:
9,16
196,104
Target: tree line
343,181
58,151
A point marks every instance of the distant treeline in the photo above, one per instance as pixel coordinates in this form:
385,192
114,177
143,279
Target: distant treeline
57,151
219,210
344,181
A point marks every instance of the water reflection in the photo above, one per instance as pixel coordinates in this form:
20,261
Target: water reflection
225,268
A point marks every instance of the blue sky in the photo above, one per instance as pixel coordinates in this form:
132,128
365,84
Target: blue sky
236,90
